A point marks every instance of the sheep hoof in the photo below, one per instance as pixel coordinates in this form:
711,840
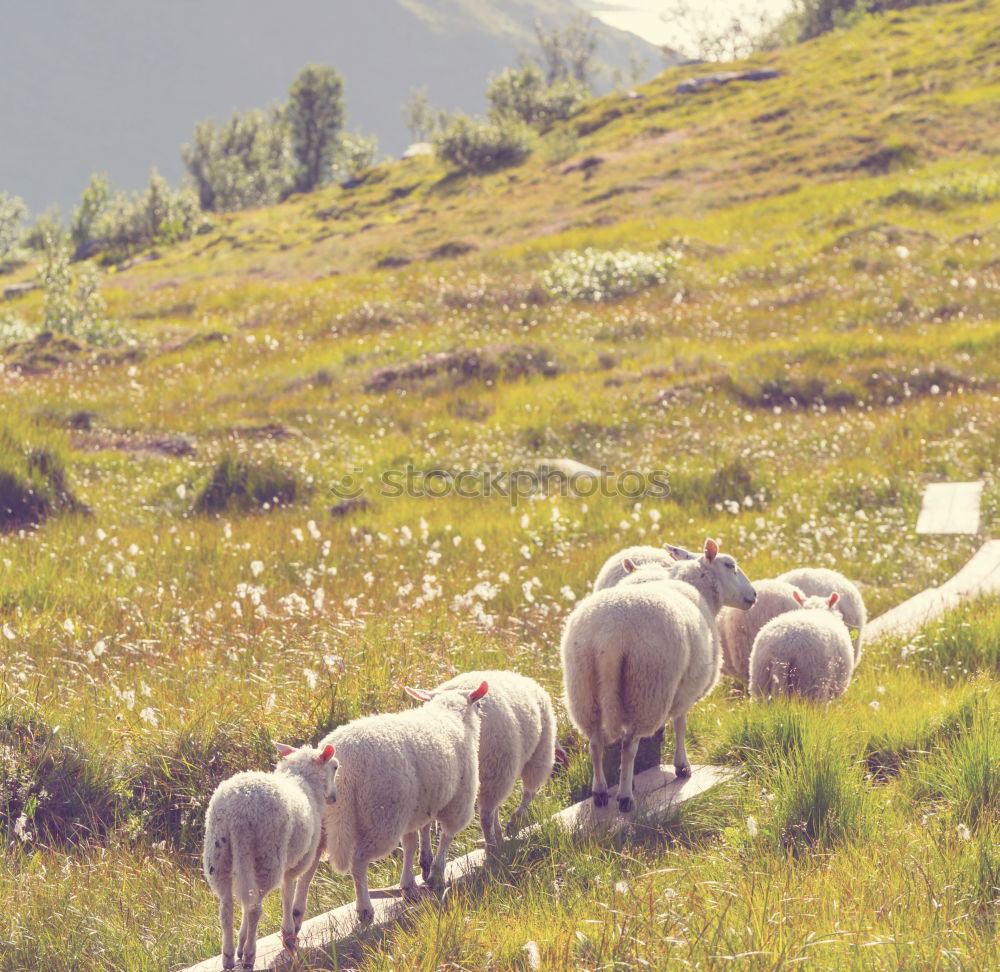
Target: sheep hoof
366,916
290,941
683,771
600,799
411,892
425,866
228,962
626,804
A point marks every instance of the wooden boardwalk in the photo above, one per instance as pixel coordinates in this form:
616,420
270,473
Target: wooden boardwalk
658,794
950,508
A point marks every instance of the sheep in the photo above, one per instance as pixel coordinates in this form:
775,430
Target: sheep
737,629
398,772
807,653
819,582
517,739
613,569
262,830
645,651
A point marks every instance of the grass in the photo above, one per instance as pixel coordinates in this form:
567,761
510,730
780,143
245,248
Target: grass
823,348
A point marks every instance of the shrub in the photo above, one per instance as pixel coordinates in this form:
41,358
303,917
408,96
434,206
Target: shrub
50,789
468,145
352,155
597,275
244,484
13,213
522,93
33,481
247,162
959,189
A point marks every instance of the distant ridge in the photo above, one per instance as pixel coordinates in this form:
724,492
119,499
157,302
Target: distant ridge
118,85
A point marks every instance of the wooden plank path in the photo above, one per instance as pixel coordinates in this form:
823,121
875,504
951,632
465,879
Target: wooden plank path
658,794
950,508
981,575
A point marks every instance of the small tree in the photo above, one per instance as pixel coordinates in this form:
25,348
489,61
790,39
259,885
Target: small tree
352,155
315,113
422,119
73,303
247,162
568,54
469,145
522,93
711,37
13,213
93,202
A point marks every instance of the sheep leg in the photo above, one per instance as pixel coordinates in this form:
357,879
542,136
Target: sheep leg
302,888
248,932
630,746
426,852
226,920
599,785
681,765
289,927
440,859
407,882
489,817
516,821
363,901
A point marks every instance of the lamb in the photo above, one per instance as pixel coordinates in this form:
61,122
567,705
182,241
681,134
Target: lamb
807,653
645,651
737,629
819,582
613,570
262,830
517,739
398,772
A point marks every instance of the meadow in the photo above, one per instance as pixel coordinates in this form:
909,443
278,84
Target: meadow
824,341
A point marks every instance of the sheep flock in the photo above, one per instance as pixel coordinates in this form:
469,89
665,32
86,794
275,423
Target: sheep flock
650,641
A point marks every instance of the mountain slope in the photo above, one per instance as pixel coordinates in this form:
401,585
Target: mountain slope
118,86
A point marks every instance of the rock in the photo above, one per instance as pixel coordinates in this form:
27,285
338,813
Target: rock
724,77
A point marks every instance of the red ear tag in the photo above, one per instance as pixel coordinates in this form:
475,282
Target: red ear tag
834,597
479,693
798,597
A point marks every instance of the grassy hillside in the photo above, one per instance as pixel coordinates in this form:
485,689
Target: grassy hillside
827,344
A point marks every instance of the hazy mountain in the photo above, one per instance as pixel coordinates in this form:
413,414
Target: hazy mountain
117,85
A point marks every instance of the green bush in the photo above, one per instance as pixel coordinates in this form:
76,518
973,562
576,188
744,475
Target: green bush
247,162
597,275
33,481
13,213
468,145
50,789
352,155
245,484
522,93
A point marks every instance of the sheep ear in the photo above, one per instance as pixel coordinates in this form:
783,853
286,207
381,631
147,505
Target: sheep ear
711,549
678,553
834,597
628,565
327,754
283,750
479,693
797,594
419,694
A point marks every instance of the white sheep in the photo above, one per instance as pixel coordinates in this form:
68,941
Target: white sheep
806,653
613,569
819,582
399,771
645,651
737,629
262,830
517,739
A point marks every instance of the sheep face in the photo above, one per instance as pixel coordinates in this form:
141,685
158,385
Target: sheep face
735,589
316,765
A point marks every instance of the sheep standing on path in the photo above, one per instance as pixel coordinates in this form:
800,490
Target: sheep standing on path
806,653
645,651
819,582
400,771
517,739
262,830
737,629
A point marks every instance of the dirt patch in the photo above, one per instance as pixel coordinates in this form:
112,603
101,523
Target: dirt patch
44,352
494,362
195,341
172,446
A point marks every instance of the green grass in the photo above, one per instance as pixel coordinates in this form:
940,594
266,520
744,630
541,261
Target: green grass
824,347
